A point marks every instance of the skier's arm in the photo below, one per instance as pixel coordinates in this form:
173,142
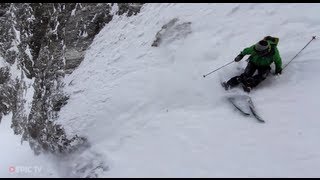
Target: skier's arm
248,50
278,62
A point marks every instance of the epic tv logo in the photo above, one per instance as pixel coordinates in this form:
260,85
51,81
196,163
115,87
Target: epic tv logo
25,169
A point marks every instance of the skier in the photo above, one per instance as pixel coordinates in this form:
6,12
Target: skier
262,55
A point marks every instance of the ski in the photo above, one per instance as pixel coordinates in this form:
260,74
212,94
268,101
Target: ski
249,102
254,113
237,107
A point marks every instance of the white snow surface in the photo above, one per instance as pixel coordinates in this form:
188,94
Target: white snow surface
17,160
3,63
152,114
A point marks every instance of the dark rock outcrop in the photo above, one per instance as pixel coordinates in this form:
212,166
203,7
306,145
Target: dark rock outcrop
41,43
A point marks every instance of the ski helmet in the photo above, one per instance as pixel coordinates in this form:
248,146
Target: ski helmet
262,47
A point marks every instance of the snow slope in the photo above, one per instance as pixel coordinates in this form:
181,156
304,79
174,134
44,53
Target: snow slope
150,112
17,160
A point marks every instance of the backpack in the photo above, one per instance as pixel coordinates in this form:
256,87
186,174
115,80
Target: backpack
272,40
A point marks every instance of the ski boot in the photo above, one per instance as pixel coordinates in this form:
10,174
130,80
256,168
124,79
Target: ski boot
225,85
247,84
246,88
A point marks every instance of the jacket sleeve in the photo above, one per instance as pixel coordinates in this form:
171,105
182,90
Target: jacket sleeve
248,50
277,61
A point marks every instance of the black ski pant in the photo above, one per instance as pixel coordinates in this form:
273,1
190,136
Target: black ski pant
248,78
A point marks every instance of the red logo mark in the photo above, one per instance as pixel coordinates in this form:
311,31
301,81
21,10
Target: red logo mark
12,169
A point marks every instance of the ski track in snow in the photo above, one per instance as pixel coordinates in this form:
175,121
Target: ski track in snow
150,112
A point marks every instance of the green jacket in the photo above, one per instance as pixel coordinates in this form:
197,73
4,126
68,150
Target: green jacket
267,60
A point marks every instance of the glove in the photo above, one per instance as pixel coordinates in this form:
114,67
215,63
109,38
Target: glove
238,58
278,71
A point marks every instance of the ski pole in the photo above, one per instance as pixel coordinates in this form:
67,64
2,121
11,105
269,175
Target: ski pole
313,37
217,69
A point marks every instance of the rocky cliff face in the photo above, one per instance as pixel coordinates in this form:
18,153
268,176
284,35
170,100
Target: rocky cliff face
40,43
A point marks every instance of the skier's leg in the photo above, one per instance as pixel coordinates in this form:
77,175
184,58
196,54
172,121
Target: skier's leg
262,75
250,69
233,81
248,72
